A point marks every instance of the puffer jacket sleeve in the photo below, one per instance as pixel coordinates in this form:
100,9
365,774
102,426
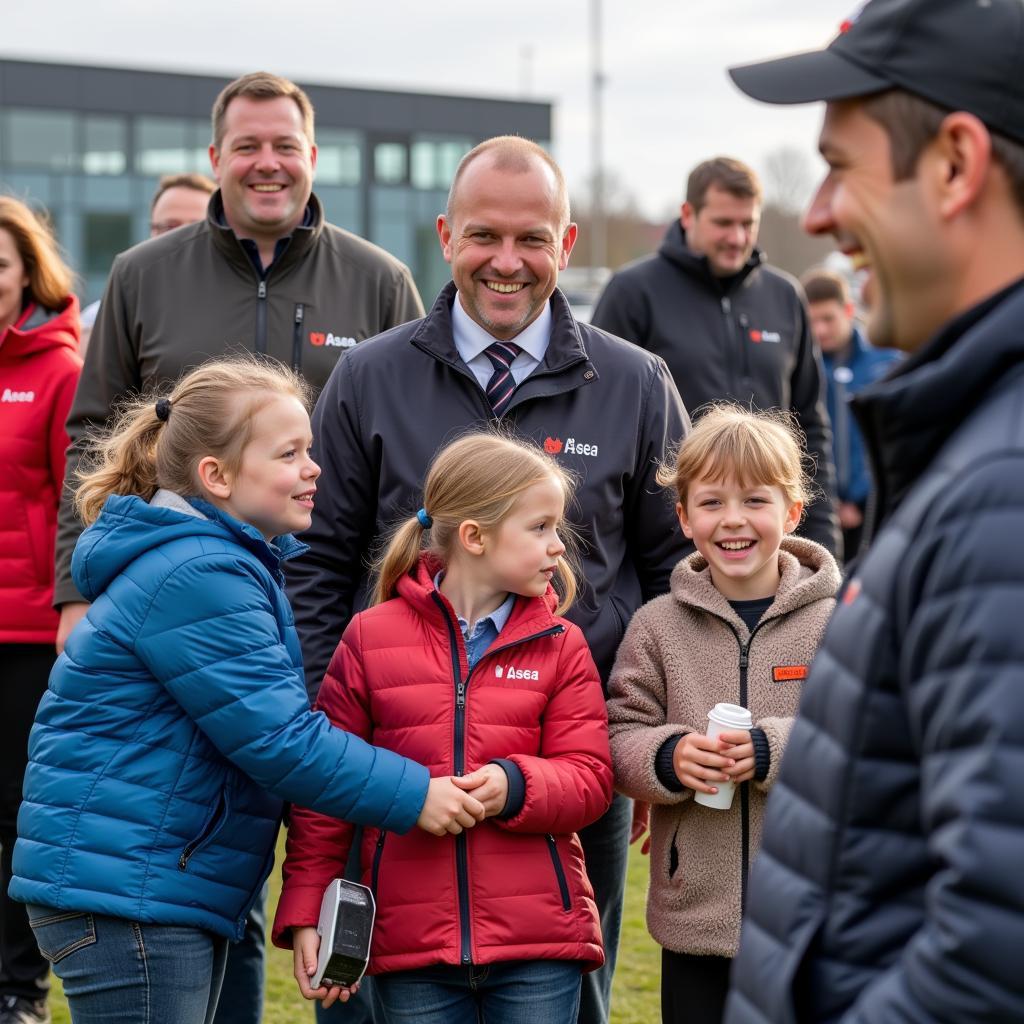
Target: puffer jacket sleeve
569,784
961,673
636,715
211,638
318,845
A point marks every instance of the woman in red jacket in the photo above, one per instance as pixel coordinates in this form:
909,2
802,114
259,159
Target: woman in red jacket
464,664
39,367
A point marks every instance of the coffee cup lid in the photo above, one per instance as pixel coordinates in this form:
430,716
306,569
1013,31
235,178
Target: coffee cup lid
732,715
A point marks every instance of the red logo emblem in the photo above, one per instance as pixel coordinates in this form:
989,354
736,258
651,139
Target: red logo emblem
852,592
552,445
755,336
317,337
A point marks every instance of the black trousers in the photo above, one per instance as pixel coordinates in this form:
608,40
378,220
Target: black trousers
693,988
23,971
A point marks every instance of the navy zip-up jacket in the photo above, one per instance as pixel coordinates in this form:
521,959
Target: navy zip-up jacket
604,408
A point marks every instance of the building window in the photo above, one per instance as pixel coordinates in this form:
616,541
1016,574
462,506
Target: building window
339,157
434,161
390,163
104,148
104,236
171,145
41,138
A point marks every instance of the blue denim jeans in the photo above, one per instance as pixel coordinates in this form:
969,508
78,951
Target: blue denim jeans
118,970
516,992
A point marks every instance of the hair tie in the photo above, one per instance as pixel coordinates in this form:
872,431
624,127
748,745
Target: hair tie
425,521
163,409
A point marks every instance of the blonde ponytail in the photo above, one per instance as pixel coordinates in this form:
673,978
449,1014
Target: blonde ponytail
124,462
400,556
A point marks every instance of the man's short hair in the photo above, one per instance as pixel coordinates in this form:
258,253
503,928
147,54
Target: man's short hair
911,122
196,182
513,153
726,173
821,285
260,85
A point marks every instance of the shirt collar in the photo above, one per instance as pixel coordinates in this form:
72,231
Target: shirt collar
471,339
498,618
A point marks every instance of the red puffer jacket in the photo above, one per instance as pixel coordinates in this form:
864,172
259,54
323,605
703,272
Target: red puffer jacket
39,367
512,889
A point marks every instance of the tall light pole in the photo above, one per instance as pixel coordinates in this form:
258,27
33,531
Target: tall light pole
598,222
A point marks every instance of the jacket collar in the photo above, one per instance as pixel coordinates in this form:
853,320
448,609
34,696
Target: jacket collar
270,553
434,334
303,238
675,250
808,573
529,615
39,329
908,416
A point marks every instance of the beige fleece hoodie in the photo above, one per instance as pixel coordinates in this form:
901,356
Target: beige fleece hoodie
681,656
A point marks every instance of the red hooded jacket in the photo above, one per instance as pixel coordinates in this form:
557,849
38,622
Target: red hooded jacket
39,367
512,889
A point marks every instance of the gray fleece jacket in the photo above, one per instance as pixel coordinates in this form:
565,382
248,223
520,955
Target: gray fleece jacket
683,653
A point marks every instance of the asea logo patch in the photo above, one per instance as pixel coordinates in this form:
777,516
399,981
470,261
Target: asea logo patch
552,445
326,338
787,673
769,337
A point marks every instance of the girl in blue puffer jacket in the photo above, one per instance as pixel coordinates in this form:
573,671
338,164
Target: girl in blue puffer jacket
176,720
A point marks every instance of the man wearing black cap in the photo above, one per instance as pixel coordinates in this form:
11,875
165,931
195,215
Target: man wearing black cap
889,886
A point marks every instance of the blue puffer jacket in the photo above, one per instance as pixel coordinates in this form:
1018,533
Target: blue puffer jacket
854,369
175,724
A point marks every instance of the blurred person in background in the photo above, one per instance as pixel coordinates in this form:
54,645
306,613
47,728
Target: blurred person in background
731,327
179,199
39,367
851,363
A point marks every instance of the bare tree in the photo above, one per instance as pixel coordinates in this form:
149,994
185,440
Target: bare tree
788,179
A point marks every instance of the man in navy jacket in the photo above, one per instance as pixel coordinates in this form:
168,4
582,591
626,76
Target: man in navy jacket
888,888
606,409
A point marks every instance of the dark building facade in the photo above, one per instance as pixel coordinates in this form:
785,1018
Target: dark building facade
89,143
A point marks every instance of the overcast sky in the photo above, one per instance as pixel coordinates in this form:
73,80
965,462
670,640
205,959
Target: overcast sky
668,101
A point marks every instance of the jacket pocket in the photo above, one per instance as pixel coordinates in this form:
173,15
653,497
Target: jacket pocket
213,825
673,855
59,934
556,860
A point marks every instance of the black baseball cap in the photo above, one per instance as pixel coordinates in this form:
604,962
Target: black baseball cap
960,54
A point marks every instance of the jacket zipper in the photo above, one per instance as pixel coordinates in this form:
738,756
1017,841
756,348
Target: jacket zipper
216,820
378,853
261,316
461,685
744,787
563,885
300,314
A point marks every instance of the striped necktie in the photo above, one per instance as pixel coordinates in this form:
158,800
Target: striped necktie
502,384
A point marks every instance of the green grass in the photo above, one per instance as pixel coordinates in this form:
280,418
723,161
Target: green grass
635,998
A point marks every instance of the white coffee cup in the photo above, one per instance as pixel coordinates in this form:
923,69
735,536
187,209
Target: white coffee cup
723,718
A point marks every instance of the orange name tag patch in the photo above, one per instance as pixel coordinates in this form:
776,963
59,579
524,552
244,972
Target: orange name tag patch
785,673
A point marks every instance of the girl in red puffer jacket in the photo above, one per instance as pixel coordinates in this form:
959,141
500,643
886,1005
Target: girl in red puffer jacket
464,664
